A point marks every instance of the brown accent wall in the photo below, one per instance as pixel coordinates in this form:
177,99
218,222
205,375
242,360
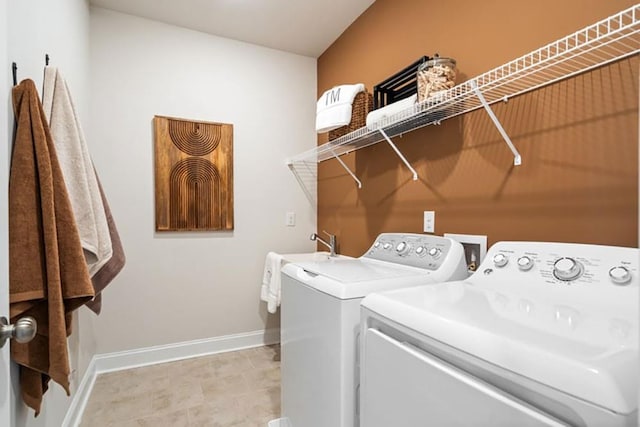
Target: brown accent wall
578,138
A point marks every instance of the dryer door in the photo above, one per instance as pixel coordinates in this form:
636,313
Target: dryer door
402,386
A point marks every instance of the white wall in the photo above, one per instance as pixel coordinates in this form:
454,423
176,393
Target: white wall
61,29
184,286
6,399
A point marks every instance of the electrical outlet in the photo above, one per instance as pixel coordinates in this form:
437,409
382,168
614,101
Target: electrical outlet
475,248
290,220
429,221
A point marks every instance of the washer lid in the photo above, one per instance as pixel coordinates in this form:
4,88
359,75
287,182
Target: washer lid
589,353
355,278
359,270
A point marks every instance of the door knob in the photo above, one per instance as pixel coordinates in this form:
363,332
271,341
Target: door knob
23,330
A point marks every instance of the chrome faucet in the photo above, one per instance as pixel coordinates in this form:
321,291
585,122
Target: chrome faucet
332,242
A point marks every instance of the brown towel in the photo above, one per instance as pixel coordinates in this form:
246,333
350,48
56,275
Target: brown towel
110,270
48,276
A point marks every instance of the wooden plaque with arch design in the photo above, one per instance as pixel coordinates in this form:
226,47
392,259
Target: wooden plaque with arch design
194,175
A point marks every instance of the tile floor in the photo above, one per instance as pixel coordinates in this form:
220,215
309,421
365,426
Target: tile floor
235,389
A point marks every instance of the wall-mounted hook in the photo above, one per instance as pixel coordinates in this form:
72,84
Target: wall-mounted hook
46,59
14,71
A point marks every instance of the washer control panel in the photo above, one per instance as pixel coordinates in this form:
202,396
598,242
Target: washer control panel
561,264
417,250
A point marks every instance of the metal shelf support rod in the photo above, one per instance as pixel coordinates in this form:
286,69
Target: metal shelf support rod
406,163
347,169
517,159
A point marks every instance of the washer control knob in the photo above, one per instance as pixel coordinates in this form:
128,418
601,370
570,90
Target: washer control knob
421,251
403,248
386,246
525,263
620,275
567,269
500,260
435,253
376,245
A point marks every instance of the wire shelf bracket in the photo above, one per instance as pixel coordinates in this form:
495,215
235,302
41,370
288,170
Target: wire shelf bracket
517,159
306,174
404,160
344,165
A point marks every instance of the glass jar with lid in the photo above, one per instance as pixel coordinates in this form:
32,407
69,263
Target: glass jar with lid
435,76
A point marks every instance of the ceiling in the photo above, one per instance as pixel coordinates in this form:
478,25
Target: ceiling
305,27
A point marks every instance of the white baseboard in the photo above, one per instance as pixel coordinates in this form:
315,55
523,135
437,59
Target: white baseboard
81,396
168,353
109,362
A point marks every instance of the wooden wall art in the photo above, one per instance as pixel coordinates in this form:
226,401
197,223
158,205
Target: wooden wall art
194,175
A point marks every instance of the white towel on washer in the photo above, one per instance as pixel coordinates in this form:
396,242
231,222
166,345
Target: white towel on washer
334,107
270,290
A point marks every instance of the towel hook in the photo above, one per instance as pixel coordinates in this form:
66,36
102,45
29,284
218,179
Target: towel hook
46,59
14,71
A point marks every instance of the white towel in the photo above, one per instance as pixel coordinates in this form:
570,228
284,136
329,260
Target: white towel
334,107
270,290
376,116
77,169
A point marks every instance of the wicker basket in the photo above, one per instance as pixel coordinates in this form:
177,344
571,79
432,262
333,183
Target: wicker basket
362,104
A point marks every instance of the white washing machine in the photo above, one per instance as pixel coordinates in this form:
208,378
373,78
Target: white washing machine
320,315
543,334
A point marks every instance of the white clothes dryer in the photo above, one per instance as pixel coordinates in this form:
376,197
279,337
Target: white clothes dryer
543,334
320,315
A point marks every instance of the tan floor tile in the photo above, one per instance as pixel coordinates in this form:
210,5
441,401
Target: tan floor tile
91,419
240,388
230,355
174,419
272,350
261,405
191,364
132,423
213,416
130,382
177,398
118,410
264,357
231,385
263,378
226,365
185,374
223,402
128,387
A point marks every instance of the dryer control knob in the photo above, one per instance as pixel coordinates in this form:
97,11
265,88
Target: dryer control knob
567,269
403,248
376,245
525,263
421,251
500,260
387,246
620,275
435,253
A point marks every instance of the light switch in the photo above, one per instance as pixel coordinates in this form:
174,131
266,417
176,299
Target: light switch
290,220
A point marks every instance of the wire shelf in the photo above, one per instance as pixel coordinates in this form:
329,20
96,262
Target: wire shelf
606,41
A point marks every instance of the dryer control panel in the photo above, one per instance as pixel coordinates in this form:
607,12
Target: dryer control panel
561,264
416,250
586,292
